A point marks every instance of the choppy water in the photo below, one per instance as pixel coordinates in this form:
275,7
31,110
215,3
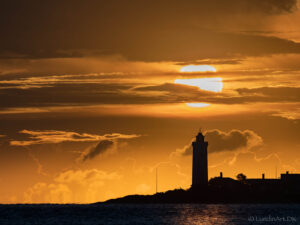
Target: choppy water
157,214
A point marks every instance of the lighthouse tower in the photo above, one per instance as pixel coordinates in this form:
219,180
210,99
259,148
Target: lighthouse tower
200,172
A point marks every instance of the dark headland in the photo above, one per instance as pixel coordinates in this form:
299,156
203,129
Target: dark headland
285,189
223,190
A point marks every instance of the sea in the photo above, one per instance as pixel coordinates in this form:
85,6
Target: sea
156,214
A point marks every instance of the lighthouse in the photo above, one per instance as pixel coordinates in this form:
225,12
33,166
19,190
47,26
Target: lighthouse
200,171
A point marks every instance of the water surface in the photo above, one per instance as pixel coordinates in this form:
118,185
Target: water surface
207,214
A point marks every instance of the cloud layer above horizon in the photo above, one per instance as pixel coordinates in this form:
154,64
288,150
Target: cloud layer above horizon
76,29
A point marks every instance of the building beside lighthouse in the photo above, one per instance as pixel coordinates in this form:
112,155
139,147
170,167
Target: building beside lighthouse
200,171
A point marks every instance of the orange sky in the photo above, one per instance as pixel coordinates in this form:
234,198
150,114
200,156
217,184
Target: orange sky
95,95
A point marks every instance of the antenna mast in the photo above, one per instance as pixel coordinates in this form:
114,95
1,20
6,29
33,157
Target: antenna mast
156,181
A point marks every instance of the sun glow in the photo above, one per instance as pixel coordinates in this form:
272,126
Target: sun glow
208,84
197,68
197,104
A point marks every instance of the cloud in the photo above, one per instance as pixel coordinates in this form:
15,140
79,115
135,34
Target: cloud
176,92
232,140
99,148
84,94
121,99
257,95
86,185
211,62
179,93
71,186
220,141
170,87
110,66
85,176
288,94
55,136
36,94
48,193
291,112
40,169
182,36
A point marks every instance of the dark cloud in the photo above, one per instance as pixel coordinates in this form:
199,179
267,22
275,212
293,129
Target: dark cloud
177,89
211,62
91,94
231,141
219,141
87,94
158,30
262,94
64,94
100,148
289,94
245,95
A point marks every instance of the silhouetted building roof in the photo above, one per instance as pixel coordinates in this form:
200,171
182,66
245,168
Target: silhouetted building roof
223,182
290,178
256,181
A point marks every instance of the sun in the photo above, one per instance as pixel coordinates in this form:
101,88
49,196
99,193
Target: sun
214,84
197,104
197,68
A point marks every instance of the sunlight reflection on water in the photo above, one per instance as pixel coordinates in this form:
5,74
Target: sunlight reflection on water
186,214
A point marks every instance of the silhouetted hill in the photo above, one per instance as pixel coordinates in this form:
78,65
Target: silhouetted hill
222,190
